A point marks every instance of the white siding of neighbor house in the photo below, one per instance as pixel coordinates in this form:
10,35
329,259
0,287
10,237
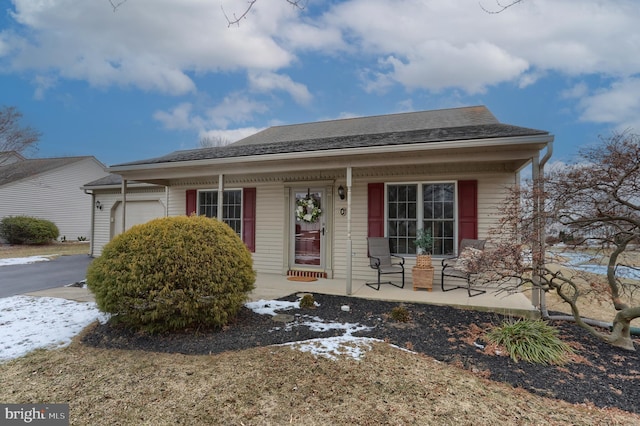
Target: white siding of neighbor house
108,220
57,196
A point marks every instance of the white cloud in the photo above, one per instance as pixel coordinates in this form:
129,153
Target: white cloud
229,135
153,45
618,104
269,81
166,46
217,122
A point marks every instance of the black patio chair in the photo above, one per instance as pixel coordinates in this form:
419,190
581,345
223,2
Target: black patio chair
450,269
385,263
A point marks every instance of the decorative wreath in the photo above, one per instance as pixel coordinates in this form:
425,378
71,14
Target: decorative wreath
308,209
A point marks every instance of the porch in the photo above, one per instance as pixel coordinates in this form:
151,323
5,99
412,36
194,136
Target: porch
272,286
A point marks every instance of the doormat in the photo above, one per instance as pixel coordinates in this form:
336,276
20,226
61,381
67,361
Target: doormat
302,279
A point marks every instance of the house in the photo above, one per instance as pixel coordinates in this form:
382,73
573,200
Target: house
143,202
49,188
305,197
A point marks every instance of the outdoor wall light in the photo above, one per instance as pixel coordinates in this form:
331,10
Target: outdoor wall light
341,193
98,205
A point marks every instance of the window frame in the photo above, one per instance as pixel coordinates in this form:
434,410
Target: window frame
239,219
420,209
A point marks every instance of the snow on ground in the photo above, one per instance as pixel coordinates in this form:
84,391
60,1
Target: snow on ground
28,323
23,260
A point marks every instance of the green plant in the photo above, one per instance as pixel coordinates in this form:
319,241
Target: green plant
533,341
307,302
82,239
400,314
173,273
424,241
28,230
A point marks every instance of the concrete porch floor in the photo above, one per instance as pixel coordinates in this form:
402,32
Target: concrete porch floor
272,286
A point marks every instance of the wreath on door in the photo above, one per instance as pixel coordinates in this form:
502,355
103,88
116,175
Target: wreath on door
308,209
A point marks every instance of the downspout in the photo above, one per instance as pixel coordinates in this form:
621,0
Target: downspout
220,196
93,218
349,242
124,205
542,233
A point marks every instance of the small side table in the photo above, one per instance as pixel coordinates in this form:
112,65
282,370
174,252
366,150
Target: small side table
422,278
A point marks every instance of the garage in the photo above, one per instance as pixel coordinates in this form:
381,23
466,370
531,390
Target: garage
138,212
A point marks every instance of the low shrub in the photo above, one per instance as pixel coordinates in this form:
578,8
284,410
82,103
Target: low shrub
533,341
400,314
173,273
28,230
307,302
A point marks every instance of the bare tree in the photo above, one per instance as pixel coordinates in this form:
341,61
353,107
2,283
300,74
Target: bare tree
235,19
213,141
597,200
501,7
14,136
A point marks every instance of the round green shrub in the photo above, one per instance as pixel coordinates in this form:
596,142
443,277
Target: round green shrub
28,230
173,273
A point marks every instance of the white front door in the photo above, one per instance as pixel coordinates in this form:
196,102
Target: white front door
309,228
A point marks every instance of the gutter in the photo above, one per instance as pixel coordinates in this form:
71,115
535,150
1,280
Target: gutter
383,149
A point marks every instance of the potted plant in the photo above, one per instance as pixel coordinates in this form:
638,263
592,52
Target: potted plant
424,244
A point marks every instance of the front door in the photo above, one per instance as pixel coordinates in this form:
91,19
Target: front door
309,227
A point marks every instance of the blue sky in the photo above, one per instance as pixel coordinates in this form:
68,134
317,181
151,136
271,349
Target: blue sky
156,76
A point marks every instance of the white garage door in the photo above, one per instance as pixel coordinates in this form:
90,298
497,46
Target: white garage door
137,212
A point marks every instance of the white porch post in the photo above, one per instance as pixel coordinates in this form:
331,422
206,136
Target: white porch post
220,195
124,204
349,242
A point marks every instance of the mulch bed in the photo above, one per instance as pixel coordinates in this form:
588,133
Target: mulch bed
600,374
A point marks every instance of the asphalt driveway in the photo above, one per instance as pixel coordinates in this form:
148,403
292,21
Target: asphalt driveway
20,279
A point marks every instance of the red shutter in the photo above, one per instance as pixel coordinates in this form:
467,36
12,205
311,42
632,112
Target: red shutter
192,201
376,210
249,218
467,209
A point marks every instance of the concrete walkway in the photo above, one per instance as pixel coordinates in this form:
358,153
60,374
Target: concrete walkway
271,286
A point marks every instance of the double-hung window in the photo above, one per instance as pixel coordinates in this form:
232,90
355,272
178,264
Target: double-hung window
429,206
208,204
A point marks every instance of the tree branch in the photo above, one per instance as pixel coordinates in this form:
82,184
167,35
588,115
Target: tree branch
116,4
298,4
501,7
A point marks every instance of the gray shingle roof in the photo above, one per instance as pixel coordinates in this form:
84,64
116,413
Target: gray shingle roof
29,168
403,122
420,127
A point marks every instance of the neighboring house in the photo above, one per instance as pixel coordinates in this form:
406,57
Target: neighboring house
371,176
10,157
50,188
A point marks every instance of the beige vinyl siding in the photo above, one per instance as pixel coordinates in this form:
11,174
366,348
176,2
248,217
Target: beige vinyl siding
491,190
108,222
56,196
270,229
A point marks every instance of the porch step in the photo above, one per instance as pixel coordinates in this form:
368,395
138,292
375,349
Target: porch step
314,274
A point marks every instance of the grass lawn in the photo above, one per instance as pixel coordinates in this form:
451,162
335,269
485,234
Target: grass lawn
278,386
8,251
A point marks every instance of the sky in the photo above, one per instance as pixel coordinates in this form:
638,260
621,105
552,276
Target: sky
150,77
